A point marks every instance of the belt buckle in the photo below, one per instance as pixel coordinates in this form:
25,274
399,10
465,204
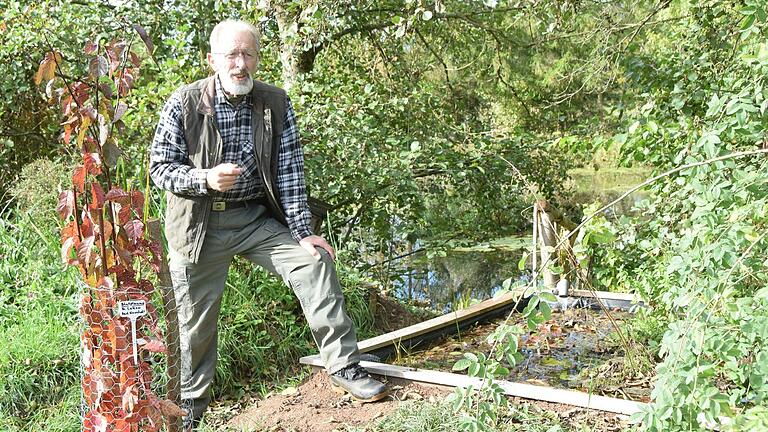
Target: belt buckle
219,206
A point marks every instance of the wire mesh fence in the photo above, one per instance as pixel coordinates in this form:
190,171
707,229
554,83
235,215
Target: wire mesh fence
130,357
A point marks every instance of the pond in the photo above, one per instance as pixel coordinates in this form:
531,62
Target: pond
463,276
471,274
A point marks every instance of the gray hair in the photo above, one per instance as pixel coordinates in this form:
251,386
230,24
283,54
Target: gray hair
234,25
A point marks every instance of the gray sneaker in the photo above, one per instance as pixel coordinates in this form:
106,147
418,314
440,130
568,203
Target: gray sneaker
356,381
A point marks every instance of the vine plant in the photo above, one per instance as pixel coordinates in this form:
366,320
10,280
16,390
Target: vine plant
104,237
480,405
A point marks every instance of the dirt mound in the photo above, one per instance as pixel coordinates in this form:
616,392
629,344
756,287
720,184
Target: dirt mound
315,407
390,315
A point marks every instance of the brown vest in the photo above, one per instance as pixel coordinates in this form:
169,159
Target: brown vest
186,217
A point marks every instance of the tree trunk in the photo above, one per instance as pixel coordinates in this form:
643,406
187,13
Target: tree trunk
288,50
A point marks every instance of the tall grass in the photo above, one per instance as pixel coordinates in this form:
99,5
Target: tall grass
39,367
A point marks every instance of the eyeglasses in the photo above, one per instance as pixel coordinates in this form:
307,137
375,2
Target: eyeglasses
233,55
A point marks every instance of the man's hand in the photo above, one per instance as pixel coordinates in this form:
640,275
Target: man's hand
310,242
222,177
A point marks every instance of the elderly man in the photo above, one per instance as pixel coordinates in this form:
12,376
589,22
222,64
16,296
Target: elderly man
227,152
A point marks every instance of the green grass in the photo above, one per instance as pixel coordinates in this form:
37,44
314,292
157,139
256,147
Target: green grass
427,417
39,360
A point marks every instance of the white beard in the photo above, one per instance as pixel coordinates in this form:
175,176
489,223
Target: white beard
234,88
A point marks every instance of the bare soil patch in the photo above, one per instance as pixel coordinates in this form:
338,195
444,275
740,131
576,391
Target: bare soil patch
315,407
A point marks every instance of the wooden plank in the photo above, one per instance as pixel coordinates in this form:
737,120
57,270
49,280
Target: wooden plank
604,295
527,391
396,337
449,319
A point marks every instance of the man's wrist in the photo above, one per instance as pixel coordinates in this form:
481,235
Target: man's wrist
301,234
200,180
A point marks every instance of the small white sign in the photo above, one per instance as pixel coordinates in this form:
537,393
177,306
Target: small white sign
132,308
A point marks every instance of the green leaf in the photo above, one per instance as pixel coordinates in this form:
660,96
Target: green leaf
521,263
749,21
462,364
546,311
548,296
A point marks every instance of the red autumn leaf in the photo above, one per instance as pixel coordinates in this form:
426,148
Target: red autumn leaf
72,119
97,196
90,47
120,109
88,112
145,37
92,163
78,178
135,59
155,345
66,135
105,285
86,227
85,386
66,206
47,67
146,286
137,201
109,402
106,89
122,334
124,84
85,250
96,322
122,249
98,67
66,249
81,93
130,398
118,195
170,409
85,307
124,214
95,422
121,425
66,105
130,286
69,127
70,230
134,229
107,234
127,371
145,378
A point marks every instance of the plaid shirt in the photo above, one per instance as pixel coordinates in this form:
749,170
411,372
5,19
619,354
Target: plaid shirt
169,159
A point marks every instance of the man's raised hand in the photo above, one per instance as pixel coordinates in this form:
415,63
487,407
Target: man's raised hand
222,177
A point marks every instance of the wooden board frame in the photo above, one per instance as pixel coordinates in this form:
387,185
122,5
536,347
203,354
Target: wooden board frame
443,324
527,391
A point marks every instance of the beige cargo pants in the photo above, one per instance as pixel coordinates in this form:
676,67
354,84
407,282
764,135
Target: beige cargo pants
249,232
